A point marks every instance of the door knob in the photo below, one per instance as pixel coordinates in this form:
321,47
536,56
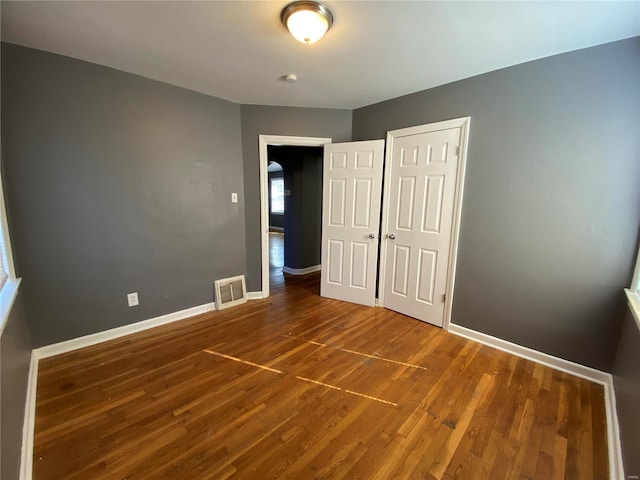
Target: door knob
391,236
372,236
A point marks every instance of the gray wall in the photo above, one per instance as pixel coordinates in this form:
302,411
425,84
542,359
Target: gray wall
116,184
551,202
15,349
303,207
626,375
265,120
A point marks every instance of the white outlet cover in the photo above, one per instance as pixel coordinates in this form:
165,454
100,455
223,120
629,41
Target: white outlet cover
234,198
132,299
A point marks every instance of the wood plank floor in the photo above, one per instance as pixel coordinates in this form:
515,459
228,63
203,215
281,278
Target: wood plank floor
276,259
298,386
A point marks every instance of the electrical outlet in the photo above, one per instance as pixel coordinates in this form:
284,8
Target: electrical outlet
132,299
234,198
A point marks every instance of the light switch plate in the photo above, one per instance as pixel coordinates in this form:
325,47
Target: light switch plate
234,198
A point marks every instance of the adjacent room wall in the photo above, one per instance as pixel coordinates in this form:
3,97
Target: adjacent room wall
626,374
264,120
116,184
311,251
15,348
551,203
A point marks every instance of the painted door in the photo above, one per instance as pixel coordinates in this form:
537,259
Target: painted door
352,190
422,192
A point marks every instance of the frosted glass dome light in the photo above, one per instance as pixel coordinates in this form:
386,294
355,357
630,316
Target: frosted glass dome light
307,21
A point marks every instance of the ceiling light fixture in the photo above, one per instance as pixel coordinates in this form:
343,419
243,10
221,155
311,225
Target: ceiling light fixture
307,21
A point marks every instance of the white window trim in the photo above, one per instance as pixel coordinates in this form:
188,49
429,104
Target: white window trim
7,297
10,288
633,293
635,283
271,180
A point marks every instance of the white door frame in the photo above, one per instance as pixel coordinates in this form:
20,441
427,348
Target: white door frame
264,141
463,124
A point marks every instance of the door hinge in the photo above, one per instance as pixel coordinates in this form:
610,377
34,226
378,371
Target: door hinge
444,297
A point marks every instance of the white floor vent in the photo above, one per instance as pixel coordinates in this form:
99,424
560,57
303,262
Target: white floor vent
230,291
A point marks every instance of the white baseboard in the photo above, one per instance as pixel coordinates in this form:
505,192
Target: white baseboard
301,271
616,466
567,366
26,457
95,338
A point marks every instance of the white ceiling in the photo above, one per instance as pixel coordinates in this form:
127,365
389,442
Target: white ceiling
376,50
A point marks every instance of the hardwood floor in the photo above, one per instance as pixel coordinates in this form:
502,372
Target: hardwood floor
298,386
276,259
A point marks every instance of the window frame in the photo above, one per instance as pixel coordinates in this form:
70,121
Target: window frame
633,292
9,289
635,282
271,182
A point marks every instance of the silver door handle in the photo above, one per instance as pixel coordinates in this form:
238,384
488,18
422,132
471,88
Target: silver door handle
391,236
372,236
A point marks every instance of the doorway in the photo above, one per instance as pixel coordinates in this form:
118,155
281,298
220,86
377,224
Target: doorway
275,174
264,142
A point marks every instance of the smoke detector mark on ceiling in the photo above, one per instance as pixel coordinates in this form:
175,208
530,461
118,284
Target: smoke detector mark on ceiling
290,78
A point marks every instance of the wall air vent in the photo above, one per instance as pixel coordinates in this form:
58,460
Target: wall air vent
230,292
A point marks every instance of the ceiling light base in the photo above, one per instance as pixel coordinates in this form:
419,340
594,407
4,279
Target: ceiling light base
307,21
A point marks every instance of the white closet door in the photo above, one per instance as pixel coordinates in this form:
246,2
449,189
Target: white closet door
422,189
352,190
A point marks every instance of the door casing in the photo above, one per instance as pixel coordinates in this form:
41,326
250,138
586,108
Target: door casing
463,124
263,142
